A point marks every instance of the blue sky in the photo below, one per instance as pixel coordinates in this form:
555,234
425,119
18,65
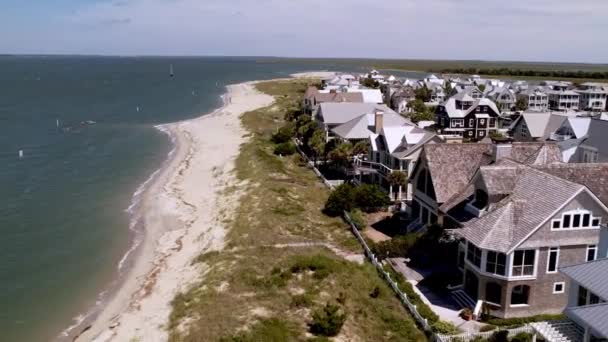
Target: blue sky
531,30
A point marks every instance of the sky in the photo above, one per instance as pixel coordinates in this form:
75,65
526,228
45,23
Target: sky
527,30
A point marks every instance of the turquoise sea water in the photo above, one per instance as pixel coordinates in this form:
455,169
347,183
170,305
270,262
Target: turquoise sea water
63,221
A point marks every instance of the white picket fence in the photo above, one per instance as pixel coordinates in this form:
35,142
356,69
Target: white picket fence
471,336
421,321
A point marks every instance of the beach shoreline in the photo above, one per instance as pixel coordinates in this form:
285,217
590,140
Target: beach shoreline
181,210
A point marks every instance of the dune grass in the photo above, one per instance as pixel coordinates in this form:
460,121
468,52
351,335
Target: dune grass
256,290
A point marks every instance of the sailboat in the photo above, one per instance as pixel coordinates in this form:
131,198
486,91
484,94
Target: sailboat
171,70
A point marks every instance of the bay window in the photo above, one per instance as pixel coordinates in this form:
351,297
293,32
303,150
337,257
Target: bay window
496,263
474,254
523,263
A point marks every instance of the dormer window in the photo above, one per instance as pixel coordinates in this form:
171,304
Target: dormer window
576,219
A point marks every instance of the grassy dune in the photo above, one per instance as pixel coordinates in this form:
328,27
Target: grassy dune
284,258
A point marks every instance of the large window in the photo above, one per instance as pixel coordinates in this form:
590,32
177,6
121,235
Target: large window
496,262
552,260
523,263
576,220
474,254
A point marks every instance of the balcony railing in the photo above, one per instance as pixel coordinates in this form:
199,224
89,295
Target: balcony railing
366,164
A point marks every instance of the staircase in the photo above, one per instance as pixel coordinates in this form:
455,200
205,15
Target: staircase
462,299
559,331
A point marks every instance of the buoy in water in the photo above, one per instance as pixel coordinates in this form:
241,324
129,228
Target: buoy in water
20,154
137,108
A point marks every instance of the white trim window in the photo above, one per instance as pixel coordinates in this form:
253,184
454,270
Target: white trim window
576,219
591,252
552,260
523,263
474,254
458,123
496,263
559,287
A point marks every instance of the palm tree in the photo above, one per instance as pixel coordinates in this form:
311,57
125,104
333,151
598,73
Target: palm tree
317,143
341,154
362,147
398,179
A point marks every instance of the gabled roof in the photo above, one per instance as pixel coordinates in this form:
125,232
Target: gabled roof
579,126
341,112
593,275
541,125
453,112
361,127
535,197
453,165
596,137
592,175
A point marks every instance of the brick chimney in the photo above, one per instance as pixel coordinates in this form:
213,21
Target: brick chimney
378,121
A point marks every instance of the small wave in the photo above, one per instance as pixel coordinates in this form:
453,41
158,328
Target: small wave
77,322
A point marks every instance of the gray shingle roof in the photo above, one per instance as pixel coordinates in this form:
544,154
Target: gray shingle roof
596,316
453,165
535,197
594,176
341,112
593,275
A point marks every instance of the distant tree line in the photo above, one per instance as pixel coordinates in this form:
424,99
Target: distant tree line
533,73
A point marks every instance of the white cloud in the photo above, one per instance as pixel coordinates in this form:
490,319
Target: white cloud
439,29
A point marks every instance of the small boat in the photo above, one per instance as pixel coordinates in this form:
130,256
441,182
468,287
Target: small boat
171,70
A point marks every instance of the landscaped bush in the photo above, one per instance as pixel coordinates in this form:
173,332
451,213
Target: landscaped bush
398,246
499,336
340,200
358,219
522,337
488,327
285,149
445,328
327,321
370,197
519,321
284,134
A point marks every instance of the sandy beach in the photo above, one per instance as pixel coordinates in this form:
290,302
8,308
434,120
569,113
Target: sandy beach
182,212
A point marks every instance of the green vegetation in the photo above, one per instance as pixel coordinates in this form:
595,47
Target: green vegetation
265,285
345,197
519,321
285,149
358,218
397,178
370,83
327,321
514,69
420,111
561,74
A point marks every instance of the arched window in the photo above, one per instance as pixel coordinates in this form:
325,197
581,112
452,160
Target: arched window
520,295
494,293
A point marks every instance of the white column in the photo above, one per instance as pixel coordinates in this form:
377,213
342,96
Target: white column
534,337
390,191
400,198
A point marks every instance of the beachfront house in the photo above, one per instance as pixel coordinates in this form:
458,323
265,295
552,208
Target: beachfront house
443,172
467,117
313,98
592,96
527,221
354,117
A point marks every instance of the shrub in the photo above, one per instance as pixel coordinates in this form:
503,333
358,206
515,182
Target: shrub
285,149
370,197
356,216
446,328
301,300
522,337
284,134
488,327
518,321
397,246
321,265
341,199
327,321
499,336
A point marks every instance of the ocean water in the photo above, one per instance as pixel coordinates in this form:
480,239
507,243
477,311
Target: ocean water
64,223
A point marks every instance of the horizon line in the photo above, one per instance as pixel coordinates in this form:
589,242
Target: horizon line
288,57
